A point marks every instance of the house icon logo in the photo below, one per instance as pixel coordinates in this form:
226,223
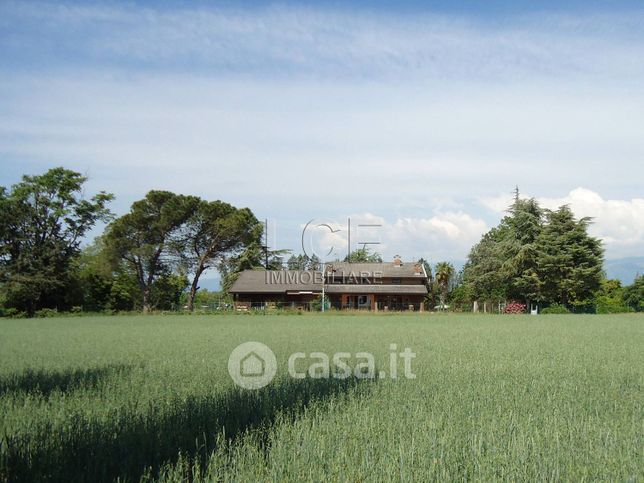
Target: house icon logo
252,365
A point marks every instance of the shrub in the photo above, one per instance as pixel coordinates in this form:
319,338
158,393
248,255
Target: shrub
316,305
13,313
45,313
556,309
514,308
610,305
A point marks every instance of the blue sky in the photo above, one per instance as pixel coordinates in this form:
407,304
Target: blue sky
419,116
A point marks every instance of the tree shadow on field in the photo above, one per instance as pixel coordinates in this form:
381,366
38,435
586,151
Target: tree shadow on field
128,444
45,382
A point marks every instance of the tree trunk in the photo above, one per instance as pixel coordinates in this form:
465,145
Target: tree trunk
191,295
193,288
443,297
146,301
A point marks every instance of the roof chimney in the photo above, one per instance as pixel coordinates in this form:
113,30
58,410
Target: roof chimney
397,261
418,270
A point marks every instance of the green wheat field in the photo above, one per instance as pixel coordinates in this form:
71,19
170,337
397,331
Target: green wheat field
494,398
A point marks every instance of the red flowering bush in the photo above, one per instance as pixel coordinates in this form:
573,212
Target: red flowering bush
514,308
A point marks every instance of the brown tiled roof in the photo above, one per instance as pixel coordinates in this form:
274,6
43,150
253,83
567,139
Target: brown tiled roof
277,281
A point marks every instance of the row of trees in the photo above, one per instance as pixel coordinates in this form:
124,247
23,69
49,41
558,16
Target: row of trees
145,259
154,256
612,297
166,231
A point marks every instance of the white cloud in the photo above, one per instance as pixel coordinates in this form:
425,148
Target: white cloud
443,236
299,112
357,140
619,223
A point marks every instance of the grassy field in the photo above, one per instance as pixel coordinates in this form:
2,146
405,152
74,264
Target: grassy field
495,397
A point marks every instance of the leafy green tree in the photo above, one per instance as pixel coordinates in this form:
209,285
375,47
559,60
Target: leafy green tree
363,255
125,293
96,273
461,297
609,298
43,220
213,231
142,237
106,282
167,289
297,262
253,257
303,262
208,299
569,260
482,272
313,263
633,295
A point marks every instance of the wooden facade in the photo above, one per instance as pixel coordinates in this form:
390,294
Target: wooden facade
395,286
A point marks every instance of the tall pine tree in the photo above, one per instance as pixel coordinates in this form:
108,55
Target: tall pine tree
535,255
570,261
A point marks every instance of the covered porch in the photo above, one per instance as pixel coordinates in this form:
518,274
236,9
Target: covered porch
377,297
301,300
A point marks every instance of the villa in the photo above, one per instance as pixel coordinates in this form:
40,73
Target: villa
383,286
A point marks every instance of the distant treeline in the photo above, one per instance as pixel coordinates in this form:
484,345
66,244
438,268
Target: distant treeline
152,257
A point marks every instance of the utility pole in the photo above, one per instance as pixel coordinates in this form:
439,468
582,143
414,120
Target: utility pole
349,239
266,243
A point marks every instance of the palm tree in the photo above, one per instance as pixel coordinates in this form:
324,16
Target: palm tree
443,273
